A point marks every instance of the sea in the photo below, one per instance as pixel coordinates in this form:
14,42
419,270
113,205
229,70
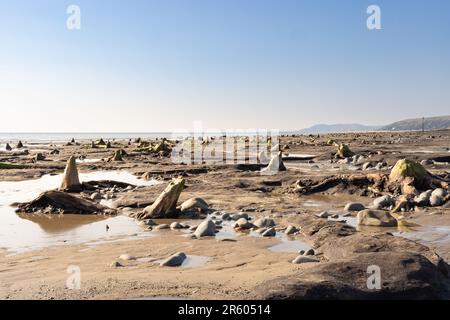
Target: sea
68,136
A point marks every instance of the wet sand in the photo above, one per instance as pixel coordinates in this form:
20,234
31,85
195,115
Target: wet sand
38,249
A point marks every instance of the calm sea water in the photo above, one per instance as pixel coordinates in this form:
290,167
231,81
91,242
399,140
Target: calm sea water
63,136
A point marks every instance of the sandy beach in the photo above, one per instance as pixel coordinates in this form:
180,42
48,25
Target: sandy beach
119,255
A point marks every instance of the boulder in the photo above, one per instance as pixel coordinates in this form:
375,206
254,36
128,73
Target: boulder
271,232
354,206
377,218
194,204
243,223
165,205
383,202
175,226
39,157
343,151
409,173
205,229
304,259
423,199
174,260
291,230
71,181
436,200
264,223
440,192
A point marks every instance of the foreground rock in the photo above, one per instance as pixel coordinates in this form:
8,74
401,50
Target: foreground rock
404,276
58,202
174,260
409,270
194,204
376,218
165,205
205,229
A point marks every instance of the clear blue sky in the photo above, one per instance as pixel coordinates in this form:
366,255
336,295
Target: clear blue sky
160,65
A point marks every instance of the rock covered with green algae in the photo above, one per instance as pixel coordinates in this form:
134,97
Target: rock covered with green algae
407,168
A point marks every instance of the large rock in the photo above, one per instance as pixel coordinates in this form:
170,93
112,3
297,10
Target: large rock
264,223
409,173
354,206
205,229
174,260
275,165
383,202
197,204
423,199
376,218
243,223
71,181
436,200
343,151
165,205
404,275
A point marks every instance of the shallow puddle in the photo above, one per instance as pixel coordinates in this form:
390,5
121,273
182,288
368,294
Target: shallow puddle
25,232
194,261
87,160
289,245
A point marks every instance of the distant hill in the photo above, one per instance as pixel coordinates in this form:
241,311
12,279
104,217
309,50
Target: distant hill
433,123
336,128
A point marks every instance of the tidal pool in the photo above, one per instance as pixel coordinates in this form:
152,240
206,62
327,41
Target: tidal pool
25,232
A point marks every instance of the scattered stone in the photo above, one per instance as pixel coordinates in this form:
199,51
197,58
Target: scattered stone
269,233
174,260
264,223
127,257
205,229
423,199
366,166
426,162
383,202
376,218
324,215
115,264
343,151
304,259
291,230
243,223
436,200
96,196
354,206
439,192
162,226
175,225
197,204
238,216
39,157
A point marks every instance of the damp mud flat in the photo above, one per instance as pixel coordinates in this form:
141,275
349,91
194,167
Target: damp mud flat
117,256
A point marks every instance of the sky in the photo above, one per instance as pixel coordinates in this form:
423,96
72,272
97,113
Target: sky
160,65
